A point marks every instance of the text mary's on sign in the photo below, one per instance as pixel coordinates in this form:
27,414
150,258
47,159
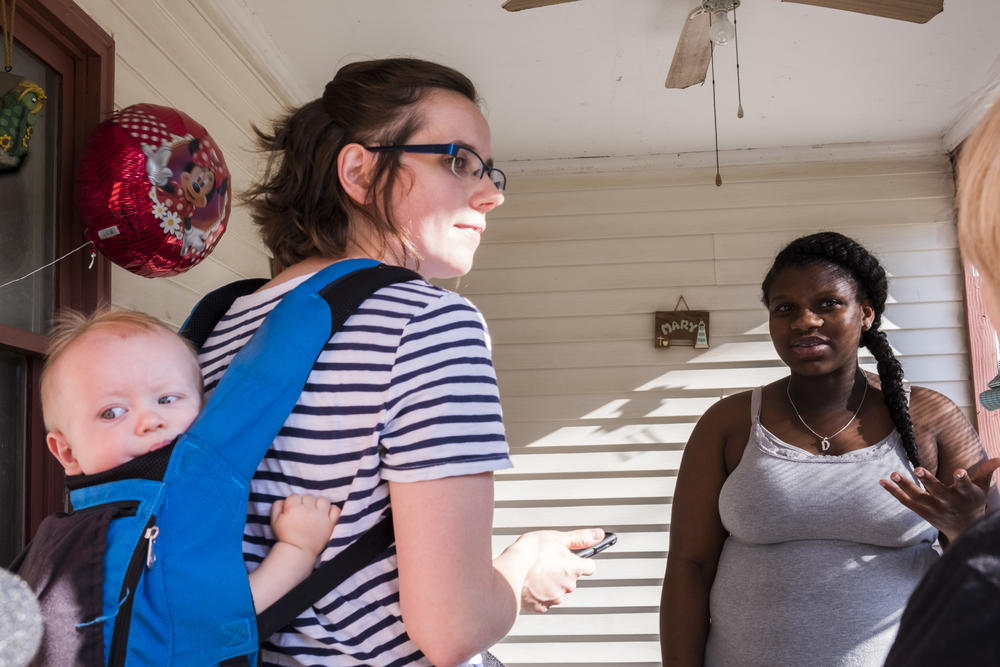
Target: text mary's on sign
681,327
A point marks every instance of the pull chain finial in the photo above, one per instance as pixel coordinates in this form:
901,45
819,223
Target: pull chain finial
736,45
7,25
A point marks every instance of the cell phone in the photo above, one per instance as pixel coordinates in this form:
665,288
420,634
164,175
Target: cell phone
609,540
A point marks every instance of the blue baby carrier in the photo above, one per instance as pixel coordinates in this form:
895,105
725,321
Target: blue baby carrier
175,589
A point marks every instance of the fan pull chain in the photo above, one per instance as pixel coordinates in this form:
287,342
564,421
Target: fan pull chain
736,43
715,121
7,25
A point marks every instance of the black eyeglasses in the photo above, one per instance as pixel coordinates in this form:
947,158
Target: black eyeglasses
462,163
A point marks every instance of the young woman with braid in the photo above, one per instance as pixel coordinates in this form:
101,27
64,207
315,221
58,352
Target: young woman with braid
785,547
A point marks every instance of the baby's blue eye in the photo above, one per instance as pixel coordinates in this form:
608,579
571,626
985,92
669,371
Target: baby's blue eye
167,400
113,413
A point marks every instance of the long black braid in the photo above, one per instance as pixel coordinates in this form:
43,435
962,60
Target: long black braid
871,283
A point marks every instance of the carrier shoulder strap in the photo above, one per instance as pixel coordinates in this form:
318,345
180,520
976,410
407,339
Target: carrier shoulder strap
210,309
379,537
343,295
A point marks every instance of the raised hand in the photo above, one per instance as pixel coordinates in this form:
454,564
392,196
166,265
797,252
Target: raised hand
951,508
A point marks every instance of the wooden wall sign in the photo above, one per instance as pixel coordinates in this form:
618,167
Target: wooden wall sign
681,327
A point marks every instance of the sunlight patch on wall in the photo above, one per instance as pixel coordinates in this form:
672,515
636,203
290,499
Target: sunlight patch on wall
572,436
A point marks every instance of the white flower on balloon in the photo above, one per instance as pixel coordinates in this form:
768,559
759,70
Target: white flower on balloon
171,224
160,211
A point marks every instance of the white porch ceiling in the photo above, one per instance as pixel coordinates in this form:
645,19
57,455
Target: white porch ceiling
585,79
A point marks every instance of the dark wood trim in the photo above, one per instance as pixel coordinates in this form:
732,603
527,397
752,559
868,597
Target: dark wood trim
21,340
85,55
64,36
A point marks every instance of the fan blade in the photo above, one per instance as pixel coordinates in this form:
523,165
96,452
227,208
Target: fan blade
693,52
518,5
915,11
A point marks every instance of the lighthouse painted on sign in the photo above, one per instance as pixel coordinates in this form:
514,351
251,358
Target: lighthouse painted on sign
681,327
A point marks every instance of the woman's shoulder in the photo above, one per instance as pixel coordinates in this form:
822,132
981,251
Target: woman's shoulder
423,294
921,393
432,318
929,407
946,439
729,412
724,429
418,300
732,402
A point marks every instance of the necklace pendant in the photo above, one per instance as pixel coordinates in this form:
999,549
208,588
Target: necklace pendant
824,444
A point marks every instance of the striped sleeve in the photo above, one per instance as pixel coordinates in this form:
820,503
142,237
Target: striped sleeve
442,415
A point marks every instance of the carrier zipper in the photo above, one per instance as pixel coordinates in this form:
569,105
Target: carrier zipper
140,559
151,534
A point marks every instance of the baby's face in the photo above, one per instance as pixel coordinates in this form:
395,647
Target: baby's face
119,394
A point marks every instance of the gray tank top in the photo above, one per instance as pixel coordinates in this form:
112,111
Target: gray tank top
820,559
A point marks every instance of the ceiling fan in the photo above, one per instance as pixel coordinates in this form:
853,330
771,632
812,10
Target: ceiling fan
708,26
916,11
693,52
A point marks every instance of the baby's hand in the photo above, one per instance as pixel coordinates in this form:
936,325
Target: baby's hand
304,521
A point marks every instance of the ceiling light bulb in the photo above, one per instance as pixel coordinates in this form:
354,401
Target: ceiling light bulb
722,31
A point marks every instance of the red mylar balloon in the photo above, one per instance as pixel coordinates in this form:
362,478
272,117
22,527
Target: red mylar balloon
154,190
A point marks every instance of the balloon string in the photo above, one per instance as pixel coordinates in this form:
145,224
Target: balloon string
28,275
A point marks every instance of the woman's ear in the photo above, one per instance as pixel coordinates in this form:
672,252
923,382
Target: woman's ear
63,452
867,316
354,169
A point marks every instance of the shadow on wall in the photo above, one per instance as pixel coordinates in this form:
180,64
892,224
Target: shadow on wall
587,453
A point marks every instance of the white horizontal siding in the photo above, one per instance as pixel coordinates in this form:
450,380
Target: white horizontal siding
572,268
175,54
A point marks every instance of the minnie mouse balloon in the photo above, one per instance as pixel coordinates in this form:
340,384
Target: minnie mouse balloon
154,190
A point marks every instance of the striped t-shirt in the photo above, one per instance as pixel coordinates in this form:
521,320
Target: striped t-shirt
404,392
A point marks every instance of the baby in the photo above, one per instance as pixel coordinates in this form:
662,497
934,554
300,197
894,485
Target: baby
120,384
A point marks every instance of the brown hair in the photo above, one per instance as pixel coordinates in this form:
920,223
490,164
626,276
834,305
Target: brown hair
298,204
70,325
978,196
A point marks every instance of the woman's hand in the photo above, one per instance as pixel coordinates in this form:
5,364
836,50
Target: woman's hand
951,508
554,569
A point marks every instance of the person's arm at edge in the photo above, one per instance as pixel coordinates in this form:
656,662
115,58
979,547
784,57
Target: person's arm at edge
696,538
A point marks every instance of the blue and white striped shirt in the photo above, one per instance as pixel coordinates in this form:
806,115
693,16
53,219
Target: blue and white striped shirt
404,392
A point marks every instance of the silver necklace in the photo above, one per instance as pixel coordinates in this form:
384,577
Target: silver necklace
824,440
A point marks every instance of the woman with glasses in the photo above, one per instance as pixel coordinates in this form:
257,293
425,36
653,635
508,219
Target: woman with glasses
401,410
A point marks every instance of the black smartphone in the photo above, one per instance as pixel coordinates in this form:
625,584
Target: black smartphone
609,539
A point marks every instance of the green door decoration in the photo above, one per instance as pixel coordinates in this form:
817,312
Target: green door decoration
19,109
